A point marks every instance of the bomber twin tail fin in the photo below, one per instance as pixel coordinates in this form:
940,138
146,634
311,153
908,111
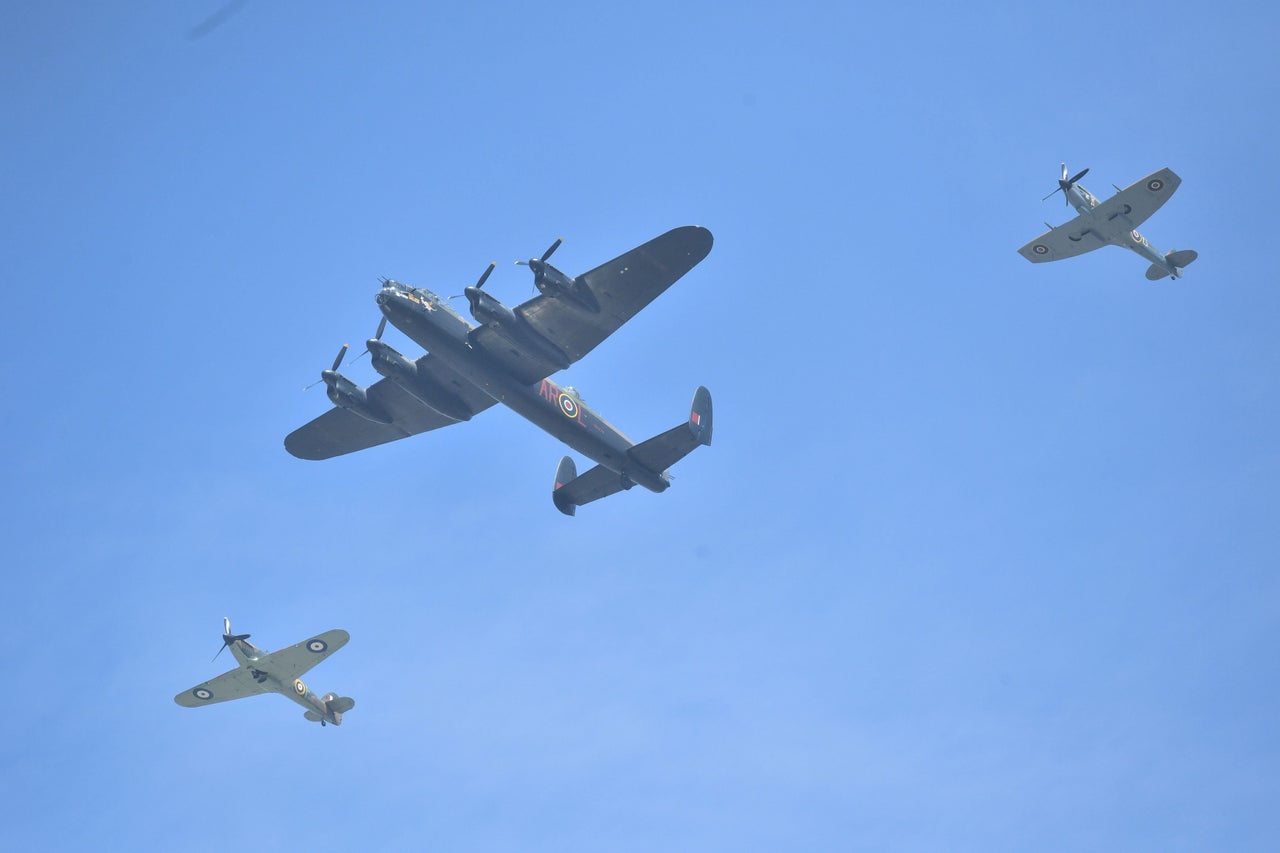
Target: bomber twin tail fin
666,449
655,455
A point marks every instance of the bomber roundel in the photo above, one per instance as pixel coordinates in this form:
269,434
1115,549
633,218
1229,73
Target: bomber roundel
317,645
202,693
1155,185
1040,249
569,406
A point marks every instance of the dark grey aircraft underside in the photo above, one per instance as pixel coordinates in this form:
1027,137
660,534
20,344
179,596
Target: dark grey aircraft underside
508,359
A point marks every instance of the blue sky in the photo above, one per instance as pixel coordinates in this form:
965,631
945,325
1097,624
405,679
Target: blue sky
983,556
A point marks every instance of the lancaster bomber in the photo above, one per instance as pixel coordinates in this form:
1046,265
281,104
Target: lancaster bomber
507,359
1112,222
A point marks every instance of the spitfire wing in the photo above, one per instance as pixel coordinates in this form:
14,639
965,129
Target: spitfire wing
340,431
1066,241
236,684
1134,204
288,664
621,287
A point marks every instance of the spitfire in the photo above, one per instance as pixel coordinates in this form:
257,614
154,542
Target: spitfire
274,672
1112,222
507,359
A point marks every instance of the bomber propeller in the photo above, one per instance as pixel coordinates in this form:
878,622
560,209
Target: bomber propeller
473,292
539,265
324,374
1065,183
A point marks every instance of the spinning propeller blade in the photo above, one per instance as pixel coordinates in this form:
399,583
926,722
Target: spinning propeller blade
337,361
227,637
545,255
1065,184
484,276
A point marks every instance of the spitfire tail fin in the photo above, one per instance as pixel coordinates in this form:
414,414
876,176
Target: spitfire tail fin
1177,261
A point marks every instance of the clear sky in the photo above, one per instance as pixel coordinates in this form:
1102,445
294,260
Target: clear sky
983,557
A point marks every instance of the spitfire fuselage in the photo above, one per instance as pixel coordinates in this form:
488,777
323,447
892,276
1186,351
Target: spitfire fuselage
1084,202
434,326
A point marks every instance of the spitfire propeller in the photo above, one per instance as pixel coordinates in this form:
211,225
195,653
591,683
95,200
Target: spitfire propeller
1065,184
227,637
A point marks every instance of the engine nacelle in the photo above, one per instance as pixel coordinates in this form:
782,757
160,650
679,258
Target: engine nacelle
421,386
552,282
487,309
348,395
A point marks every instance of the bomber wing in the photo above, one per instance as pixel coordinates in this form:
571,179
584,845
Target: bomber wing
236,684
1134,204
1066,241
621,287
339,431
288,664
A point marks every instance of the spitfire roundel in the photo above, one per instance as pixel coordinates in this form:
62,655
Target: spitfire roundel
201,693
317,645
1155,185
569,406
1040,249
299,687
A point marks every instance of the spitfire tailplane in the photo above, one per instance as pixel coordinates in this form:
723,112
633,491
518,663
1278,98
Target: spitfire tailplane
1173,266
647,462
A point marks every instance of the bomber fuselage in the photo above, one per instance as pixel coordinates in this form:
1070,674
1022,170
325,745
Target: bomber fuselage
437,328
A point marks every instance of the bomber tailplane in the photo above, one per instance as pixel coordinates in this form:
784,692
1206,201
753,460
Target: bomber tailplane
653,456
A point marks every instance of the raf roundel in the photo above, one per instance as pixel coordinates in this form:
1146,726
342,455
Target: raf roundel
299,687
202,693
1040,249
1155,185
317,646
569,406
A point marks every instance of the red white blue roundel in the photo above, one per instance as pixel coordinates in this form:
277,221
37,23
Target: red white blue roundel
1155,185
1137,238
1040,249
299,687
202,693
569,406
317,645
